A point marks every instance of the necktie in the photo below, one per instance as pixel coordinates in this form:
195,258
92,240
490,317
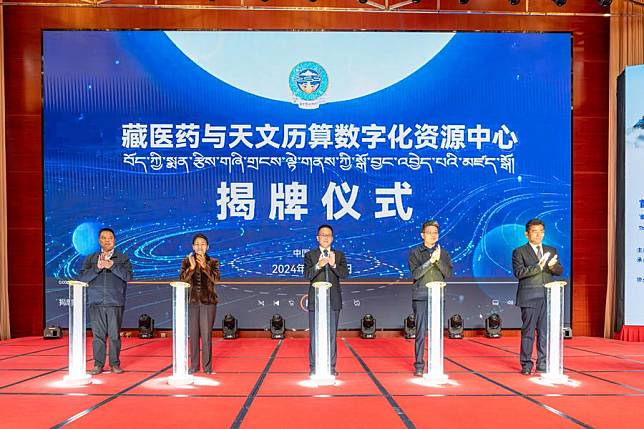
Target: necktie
539,252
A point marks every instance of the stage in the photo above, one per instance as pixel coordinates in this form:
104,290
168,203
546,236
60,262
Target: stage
262,383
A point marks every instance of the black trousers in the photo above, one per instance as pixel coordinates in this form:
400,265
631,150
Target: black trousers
534,319
106,323
200,320
334,317
420,313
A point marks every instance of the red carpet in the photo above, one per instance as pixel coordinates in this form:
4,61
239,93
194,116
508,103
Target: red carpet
480,413
162,412
461,383
633,379
219,384
263,383
322,413
27,411
602,412
10,377
348,384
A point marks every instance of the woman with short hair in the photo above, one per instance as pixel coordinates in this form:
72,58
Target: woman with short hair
202,273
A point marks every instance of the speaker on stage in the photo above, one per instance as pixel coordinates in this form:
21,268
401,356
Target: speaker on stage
52,332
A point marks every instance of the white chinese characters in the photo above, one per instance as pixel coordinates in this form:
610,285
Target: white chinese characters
290,201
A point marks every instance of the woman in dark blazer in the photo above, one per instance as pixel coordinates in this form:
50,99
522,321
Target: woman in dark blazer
202,272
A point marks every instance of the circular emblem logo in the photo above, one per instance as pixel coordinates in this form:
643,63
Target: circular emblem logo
308,81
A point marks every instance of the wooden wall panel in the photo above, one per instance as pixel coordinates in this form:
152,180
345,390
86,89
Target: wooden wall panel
587,132
23,27
24,154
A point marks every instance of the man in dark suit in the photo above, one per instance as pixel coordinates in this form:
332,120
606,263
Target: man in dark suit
427,263
534,265
324,264
107,273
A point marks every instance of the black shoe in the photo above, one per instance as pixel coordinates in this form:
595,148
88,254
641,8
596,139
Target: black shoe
334,373
192,371
418,373
96,370
116,369
526,371
541,369
208,371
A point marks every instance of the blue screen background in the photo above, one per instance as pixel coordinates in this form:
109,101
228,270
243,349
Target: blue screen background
95,82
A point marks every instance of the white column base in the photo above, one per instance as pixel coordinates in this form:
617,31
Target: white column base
554,378
180,380
433,378
323,379
77,380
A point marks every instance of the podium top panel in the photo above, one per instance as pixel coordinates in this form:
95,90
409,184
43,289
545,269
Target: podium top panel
77,283
558,283
180,284
435,284
321,285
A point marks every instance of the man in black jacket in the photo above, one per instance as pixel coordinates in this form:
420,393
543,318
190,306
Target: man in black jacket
107,273
427,263
534,265
324,264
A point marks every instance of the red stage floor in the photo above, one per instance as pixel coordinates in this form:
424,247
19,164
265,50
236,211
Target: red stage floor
261,383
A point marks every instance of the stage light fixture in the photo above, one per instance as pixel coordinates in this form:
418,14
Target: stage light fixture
363,1
229,327
52,332
368,327
559,2
146,327
605,3
514,2
567,332
277,327
409,327
463,1
455,327
493,326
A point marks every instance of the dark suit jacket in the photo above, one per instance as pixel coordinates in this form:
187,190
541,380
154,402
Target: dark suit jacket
525,266
106,286
341,271
423,272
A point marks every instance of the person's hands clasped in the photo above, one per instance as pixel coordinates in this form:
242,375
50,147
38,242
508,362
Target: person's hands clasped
553,261
332,259
436,255
544,259
322,261
104,262
201,260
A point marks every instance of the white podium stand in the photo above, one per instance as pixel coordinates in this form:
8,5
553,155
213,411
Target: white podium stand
435,294
555,316
322,373
180,376
77,334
